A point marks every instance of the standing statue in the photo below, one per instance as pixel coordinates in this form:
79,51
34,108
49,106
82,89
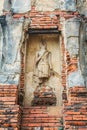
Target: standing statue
45,78
43,94
43,64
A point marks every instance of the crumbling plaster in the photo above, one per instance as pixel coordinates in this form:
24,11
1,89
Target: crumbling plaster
11,34
10,37
71,28
44,5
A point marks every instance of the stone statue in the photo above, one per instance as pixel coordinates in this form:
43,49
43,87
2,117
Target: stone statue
43,64
43,94
43,73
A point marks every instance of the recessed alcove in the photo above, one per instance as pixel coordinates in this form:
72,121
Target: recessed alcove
48,90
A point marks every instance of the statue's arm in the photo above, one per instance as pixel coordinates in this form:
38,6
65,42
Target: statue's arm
38,57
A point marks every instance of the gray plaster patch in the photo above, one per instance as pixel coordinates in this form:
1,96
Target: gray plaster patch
73,46
70,5
9,79
44,5
21,6
10,50
3,78
13,79
60,4
11,68
7,5
72,27
75,79
17,6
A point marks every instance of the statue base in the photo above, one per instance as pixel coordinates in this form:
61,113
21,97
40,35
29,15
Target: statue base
44,96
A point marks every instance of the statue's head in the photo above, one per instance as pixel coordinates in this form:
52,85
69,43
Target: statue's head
43,44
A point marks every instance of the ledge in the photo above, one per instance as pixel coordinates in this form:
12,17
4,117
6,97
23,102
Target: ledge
43,31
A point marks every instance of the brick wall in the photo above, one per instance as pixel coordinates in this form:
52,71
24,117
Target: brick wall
72,63
75,109
10,111
46,19
64,67
22,71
